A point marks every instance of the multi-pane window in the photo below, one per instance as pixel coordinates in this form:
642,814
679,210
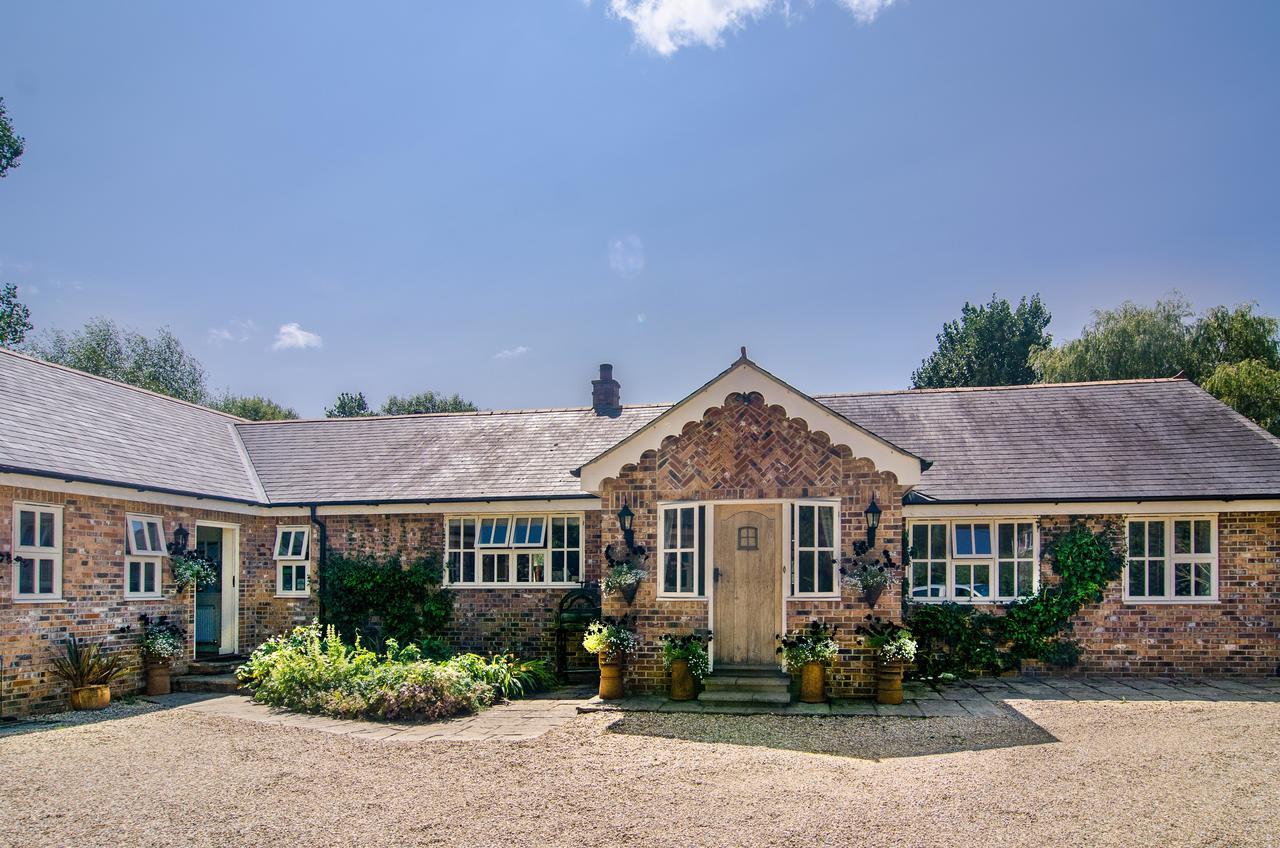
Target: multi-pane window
1172,559
507,550
972,561
292,558
681,555
37,552
144,544
814,530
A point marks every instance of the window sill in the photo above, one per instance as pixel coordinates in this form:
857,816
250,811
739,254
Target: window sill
293,595
815,597
43,599
678,597
293,559
574,585
1167,602
149,597
969,602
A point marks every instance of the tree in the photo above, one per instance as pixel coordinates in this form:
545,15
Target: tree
253,407
425,402
1129,342
1225,336
15,318
990,345
11,144
160,364
1251,388
349,405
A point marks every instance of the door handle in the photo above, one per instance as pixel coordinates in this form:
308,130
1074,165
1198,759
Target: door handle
715,575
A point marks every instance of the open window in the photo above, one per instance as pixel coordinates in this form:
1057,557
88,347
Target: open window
513,550
293,556
146,536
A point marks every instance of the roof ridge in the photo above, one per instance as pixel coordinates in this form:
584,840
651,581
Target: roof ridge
234,419
475,413
1016,386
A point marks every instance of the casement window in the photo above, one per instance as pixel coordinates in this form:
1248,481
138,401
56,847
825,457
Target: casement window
1171,559
681,553
815,540
972,561
37,552
144,546
293,556
513,550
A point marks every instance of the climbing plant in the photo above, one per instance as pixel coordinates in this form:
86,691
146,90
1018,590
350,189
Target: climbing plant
960,639
385,598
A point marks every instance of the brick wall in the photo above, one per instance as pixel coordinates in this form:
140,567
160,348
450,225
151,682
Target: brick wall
93,604
752,451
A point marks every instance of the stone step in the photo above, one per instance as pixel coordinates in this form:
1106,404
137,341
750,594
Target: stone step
206,683
221,665
724,697
748,670
718,681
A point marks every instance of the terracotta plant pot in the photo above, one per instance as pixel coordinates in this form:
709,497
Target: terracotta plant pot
888,682
91,697
813,683
610,678
683,686
158,679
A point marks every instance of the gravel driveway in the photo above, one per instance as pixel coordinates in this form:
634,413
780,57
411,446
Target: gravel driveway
1062,773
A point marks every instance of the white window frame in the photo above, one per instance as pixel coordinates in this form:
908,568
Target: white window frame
530,519
293,563
36,553
972,524
506,558
973,560
793,576
1172,559
680,593
148,551
144,563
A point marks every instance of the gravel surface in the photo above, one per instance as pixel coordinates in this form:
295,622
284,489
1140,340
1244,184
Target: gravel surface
1095,774
116,709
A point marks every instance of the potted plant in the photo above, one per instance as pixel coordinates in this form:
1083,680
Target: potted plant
89,672
810,649
191,569
626,570
894,646
163,641
868,572
687,659
610,641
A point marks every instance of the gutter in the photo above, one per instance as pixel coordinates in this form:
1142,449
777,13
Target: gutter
324,559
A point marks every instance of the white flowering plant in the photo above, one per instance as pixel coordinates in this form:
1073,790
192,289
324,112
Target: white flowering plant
610,639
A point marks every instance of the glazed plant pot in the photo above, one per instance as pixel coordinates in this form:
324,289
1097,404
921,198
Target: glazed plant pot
610,678
888,682
813,683
158,682
91,697
683,686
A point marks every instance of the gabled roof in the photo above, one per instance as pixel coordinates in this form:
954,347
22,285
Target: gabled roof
452,456
1122,440
743,377
63,423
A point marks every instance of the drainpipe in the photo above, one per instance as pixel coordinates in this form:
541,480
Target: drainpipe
324,558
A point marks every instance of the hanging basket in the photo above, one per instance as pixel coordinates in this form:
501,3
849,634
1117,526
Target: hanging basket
629,592
872,595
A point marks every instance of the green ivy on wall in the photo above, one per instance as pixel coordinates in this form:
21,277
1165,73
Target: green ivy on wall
962,640
383,598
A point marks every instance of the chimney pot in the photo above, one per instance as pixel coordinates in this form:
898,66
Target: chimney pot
606,392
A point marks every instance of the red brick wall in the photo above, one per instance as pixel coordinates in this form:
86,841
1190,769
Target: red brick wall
94,606
752,451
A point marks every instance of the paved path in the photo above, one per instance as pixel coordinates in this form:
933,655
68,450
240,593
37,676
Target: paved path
984,696
514,720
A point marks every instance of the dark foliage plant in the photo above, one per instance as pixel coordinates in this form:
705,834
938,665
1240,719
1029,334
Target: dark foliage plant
84,664
382,598
962,640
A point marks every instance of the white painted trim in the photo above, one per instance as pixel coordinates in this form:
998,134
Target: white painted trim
131,517
305,530
557,506
993,560
125,493
660,577
511,552
36,552
745,377
944,512
229,639
789,593
145,560
1170,574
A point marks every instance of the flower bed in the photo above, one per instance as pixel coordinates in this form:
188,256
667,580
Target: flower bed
312,671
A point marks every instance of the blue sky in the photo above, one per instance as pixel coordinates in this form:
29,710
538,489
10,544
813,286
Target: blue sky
491,198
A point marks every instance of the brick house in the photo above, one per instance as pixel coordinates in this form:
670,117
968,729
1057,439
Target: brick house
748,494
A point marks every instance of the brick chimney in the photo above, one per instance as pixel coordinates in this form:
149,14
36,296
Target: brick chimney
606,393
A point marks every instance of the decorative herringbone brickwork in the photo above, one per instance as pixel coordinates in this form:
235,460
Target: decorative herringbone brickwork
749,450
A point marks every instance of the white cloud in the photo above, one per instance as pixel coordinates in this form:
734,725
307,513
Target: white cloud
511,353
237,330
626,255
291,336
665,26
641,318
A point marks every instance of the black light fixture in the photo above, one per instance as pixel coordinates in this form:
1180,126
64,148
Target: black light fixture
181,536
626,523
872,513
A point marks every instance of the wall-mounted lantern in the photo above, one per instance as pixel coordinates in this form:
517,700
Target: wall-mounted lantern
181,536
872,513
626,523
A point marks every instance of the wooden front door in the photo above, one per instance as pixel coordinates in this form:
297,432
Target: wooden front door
748,591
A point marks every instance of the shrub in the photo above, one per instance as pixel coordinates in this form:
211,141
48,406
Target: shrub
308,670
383,598
813,643
163,641
84,664
891,642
